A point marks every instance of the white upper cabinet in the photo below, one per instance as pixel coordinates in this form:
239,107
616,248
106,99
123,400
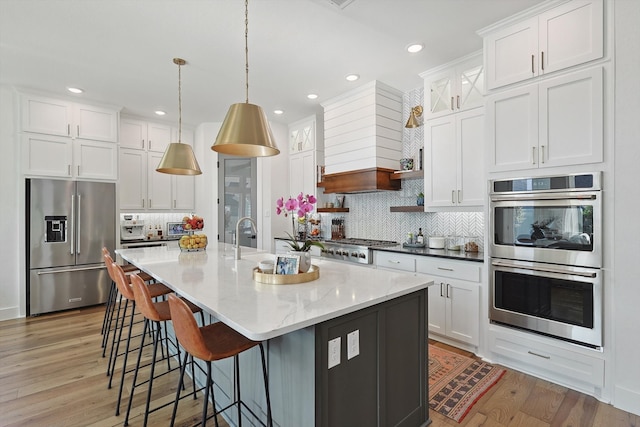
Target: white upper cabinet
62,118
454,87
558,122
142,135
70,140
305,153
567,35
454,153
302,136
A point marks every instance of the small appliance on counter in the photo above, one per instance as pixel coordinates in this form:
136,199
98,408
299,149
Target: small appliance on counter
131,229
175,230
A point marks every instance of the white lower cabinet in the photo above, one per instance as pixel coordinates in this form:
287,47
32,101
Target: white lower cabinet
454,299
395,261
568,364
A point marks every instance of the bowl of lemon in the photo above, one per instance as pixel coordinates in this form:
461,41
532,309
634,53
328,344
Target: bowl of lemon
193,242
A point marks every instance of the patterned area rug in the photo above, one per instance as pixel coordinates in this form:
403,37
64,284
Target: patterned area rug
456,382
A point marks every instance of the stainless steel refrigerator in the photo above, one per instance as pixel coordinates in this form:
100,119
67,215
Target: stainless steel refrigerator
68,223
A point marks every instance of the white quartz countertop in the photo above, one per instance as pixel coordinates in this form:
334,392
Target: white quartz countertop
224,287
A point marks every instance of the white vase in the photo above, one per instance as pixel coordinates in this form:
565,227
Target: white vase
305,260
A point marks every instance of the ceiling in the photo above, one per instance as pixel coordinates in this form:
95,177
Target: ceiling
121,51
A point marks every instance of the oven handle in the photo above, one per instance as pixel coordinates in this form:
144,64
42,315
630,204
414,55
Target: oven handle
542,196
543,269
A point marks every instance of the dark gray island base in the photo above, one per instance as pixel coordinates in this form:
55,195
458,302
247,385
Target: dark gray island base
386,384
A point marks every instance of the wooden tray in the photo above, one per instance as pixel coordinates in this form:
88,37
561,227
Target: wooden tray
286,279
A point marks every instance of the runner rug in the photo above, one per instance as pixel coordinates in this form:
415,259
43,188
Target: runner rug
456,382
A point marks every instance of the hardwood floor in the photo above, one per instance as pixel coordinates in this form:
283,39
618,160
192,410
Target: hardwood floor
52,374
520,400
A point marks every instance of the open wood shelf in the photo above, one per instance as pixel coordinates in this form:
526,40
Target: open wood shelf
408,175
407,208
331,210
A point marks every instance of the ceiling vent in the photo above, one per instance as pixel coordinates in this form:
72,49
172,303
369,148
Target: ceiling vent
340,3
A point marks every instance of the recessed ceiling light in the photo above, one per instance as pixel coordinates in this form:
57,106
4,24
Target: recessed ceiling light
75,90
312,96
352,77
415,47
278,112
160,112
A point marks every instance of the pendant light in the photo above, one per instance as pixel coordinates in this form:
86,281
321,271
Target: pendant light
179,159
245,131
413,121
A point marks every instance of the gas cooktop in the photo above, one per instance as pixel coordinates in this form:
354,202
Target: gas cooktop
371,243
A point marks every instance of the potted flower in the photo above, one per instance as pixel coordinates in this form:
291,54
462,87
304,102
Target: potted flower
299,209
420,199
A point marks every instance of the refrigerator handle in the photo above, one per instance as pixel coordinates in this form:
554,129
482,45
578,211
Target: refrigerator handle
71,228
78,227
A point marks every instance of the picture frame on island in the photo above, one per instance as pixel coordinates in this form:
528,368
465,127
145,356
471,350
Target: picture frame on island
287,264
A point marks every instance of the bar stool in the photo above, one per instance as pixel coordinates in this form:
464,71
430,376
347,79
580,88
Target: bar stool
112,300
124,288
209,343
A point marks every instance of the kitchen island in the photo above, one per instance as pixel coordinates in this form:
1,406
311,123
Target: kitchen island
375,320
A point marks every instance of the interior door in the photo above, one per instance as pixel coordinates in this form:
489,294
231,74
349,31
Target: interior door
237,198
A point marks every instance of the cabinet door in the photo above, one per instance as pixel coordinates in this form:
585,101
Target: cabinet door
571,119
99,124
470,79
511,54
133,134
45,155
470,140
437,307
463,310
158,184
159,137
440,92
308,136
95,160
184,195
571,34
133,179
302,173
46,115
512,121
441,161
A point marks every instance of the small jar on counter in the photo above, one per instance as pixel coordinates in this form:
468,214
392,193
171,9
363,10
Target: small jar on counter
454,243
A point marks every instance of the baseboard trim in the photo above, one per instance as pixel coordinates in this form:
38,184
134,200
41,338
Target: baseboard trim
10,313
627,400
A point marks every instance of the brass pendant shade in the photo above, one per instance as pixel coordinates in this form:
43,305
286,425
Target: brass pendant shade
413,121
245,132
178,158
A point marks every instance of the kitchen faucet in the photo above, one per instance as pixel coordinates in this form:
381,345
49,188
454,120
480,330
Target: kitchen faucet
253,227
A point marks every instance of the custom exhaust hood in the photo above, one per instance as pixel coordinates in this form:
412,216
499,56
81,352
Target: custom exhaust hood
363,139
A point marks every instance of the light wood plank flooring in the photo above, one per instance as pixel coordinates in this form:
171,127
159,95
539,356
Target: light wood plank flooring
520,400
52,374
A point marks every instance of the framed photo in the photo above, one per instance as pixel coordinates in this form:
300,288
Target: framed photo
287,264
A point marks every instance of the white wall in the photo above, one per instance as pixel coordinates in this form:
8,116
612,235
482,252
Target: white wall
626,270
11,214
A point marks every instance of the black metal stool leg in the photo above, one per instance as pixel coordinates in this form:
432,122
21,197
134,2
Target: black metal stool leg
266,386
135,372
180,385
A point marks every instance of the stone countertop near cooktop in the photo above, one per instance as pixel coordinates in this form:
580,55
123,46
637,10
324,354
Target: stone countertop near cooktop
441,253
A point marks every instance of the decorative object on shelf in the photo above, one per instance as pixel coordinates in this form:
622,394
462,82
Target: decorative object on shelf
414,115
245,130
339,201
178,158
420,199
406,164
299,209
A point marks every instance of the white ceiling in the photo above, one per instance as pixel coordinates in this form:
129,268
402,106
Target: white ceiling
120,51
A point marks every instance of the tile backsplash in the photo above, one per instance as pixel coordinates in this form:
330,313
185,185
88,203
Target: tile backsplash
369,215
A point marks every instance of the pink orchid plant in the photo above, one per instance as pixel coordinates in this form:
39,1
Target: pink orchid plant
298,207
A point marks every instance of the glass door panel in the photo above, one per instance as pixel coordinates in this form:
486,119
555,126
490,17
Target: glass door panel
237,198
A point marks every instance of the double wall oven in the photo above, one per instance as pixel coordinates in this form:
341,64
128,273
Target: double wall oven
546,256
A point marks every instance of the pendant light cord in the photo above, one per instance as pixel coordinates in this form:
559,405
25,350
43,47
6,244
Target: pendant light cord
246,47
179,102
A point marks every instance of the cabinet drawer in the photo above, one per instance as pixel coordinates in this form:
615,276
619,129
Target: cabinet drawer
574,368
395,261
446,268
